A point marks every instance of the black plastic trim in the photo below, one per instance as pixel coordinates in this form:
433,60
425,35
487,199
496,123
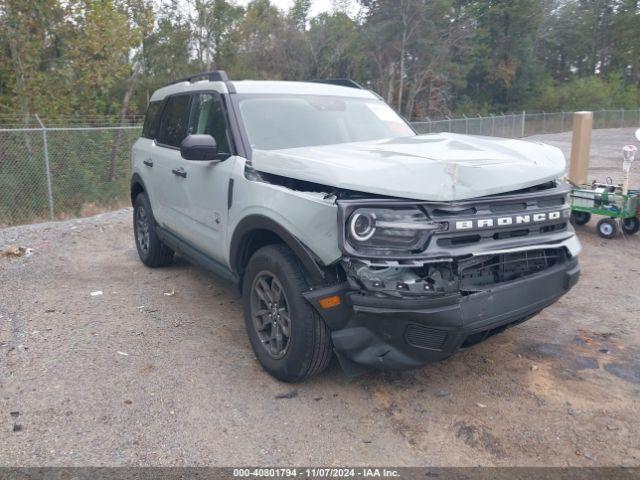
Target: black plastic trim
137,179
334,317
195,255
230,194
363,302
259,222
237,127
374,336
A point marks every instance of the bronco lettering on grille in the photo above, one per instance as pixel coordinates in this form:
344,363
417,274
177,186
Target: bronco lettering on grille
492,222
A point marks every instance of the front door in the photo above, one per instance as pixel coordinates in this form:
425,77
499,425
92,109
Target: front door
208,181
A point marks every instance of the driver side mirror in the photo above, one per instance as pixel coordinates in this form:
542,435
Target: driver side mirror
199,147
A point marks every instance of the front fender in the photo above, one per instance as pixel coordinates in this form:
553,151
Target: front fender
258,222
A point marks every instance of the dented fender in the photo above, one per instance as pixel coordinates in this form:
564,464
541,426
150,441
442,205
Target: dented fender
307,216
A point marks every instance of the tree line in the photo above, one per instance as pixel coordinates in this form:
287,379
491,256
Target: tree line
425,57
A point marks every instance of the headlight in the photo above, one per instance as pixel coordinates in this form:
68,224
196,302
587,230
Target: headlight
388,230
362,226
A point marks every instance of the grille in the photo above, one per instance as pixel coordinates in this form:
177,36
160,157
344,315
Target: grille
525,217
490,270
425,337
512,210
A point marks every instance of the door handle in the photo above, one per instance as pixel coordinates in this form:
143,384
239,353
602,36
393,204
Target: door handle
148,162
179,172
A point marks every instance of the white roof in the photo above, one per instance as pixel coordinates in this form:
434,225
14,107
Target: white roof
188,87
264,87
299,88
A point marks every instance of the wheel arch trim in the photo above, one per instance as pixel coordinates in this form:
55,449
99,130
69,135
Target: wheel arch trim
136,179
257,222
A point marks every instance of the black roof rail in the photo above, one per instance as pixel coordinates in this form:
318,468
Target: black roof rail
213,76
343,82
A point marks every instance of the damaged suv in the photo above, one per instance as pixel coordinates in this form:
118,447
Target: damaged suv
346,231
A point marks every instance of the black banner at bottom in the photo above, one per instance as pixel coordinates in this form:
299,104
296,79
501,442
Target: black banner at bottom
408,473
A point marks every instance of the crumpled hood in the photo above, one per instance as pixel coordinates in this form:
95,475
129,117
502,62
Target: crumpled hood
435,167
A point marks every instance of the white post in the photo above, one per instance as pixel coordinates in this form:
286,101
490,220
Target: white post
524,115
46,166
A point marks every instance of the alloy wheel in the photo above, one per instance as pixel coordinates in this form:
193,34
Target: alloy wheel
142,229
270,314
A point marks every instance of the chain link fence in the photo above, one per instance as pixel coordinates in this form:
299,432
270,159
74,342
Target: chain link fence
57,172
518,125
65,167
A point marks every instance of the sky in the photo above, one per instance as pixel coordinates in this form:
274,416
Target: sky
317,6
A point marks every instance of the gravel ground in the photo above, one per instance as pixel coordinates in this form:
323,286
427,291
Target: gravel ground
606,152
138,377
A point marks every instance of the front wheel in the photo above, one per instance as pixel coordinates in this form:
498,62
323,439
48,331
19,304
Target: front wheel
287,335
630,226
607,228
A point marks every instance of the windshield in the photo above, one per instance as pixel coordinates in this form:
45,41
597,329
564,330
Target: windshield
275,122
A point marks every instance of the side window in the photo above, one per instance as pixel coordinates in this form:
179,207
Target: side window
151,120
174,120
207,117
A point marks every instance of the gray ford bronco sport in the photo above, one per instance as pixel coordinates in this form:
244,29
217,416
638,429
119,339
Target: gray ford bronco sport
345,231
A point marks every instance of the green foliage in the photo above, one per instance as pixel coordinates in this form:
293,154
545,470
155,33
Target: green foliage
425,57
504,69
299,14
588,93
337,46
98,57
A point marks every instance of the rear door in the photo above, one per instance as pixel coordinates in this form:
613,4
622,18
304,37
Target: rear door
170,177
144,150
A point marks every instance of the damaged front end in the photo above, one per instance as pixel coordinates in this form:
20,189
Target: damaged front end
424,279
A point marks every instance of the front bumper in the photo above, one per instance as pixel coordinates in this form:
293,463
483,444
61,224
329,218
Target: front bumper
370,332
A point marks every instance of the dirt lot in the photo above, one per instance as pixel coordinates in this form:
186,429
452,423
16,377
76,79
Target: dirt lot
138,377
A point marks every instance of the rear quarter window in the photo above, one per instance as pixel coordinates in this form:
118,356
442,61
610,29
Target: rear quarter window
152,120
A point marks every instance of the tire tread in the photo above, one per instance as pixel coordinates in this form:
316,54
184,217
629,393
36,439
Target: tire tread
319,355
159,254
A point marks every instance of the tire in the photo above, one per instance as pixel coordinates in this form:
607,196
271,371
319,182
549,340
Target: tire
630,226
274,275
580,218
607,228
151,250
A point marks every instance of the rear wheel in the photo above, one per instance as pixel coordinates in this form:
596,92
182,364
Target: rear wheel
287,335
580,218
607,228
151,250
630,226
